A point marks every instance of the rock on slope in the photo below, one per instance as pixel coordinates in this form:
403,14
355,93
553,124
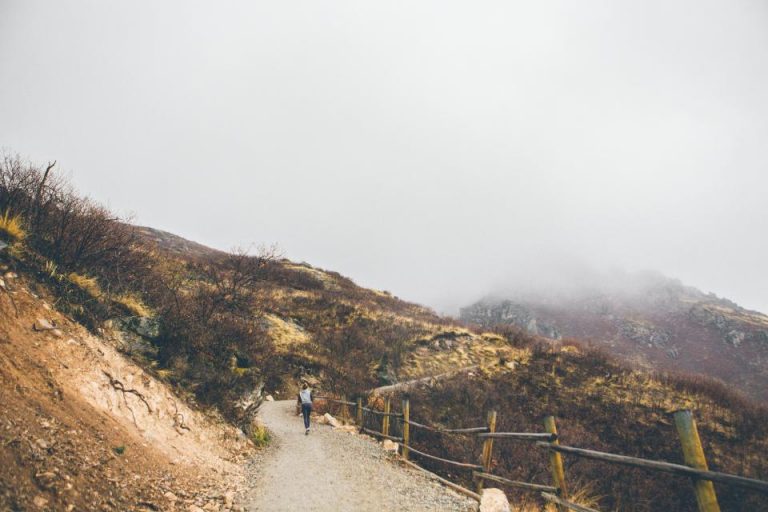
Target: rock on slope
83,428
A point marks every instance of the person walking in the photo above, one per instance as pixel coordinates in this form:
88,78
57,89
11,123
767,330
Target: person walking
305,400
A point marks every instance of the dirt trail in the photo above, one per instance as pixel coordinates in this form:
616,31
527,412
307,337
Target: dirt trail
331,470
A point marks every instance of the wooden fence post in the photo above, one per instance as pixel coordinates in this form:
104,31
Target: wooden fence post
406,427
385,420
359,412
487,450
344,409
556,462
693,454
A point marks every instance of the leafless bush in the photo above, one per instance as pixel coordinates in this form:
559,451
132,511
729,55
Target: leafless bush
74,232
602,406
208,312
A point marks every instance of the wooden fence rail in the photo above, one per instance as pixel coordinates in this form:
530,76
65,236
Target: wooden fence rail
445,461
381,434
695,466
664,467
470,430
329,399
381,413
522,436
514,483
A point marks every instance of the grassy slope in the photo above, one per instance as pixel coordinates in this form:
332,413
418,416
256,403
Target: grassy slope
665,325
324,326
600,405
317,320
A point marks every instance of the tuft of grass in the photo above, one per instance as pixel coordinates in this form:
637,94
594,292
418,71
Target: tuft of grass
52,270
12,227
134,304
119,450
583,495
240,371
260,436
88,284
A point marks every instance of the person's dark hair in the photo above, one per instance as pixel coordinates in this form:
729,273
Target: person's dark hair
304,385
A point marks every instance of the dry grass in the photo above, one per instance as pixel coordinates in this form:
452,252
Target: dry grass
12,227
260,436
88,284
240,372
286,333
164,373
134,304
432,357
326,280
583,494
602,406
52,270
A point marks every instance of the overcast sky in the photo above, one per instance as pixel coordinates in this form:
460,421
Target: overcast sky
433,149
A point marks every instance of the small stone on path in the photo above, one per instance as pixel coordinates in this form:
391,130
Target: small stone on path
494,500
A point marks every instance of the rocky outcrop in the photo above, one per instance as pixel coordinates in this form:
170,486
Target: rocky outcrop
705,316
133,334
644,333
145,327
653,321
246,407
734,337
730,328
506,312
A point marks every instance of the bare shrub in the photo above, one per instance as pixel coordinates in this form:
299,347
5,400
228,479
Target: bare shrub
75,233
208,318
603,406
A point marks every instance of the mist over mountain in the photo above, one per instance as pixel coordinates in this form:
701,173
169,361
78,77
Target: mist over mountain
648,319
548,209
431,153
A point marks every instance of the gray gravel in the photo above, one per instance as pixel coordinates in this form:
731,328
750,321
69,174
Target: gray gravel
336,471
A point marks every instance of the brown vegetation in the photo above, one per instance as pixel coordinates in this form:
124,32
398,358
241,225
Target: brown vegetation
603,406
230,322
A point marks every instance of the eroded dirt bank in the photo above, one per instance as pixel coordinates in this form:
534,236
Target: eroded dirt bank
83,428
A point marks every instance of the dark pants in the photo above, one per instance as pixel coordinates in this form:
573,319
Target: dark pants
305,410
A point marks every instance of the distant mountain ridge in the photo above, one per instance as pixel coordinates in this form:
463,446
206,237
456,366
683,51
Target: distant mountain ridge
648,319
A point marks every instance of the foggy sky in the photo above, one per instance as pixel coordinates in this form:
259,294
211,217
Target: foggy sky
437,150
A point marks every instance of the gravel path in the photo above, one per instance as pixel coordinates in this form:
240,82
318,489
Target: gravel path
337,471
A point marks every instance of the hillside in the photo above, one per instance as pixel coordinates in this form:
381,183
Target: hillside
599,405
206,333
650,321
322,327
83,428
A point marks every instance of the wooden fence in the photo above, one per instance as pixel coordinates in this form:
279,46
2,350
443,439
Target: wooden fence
695,463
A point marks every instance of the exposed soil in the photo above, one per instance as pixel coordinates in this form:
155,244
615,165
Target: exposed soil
71,439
